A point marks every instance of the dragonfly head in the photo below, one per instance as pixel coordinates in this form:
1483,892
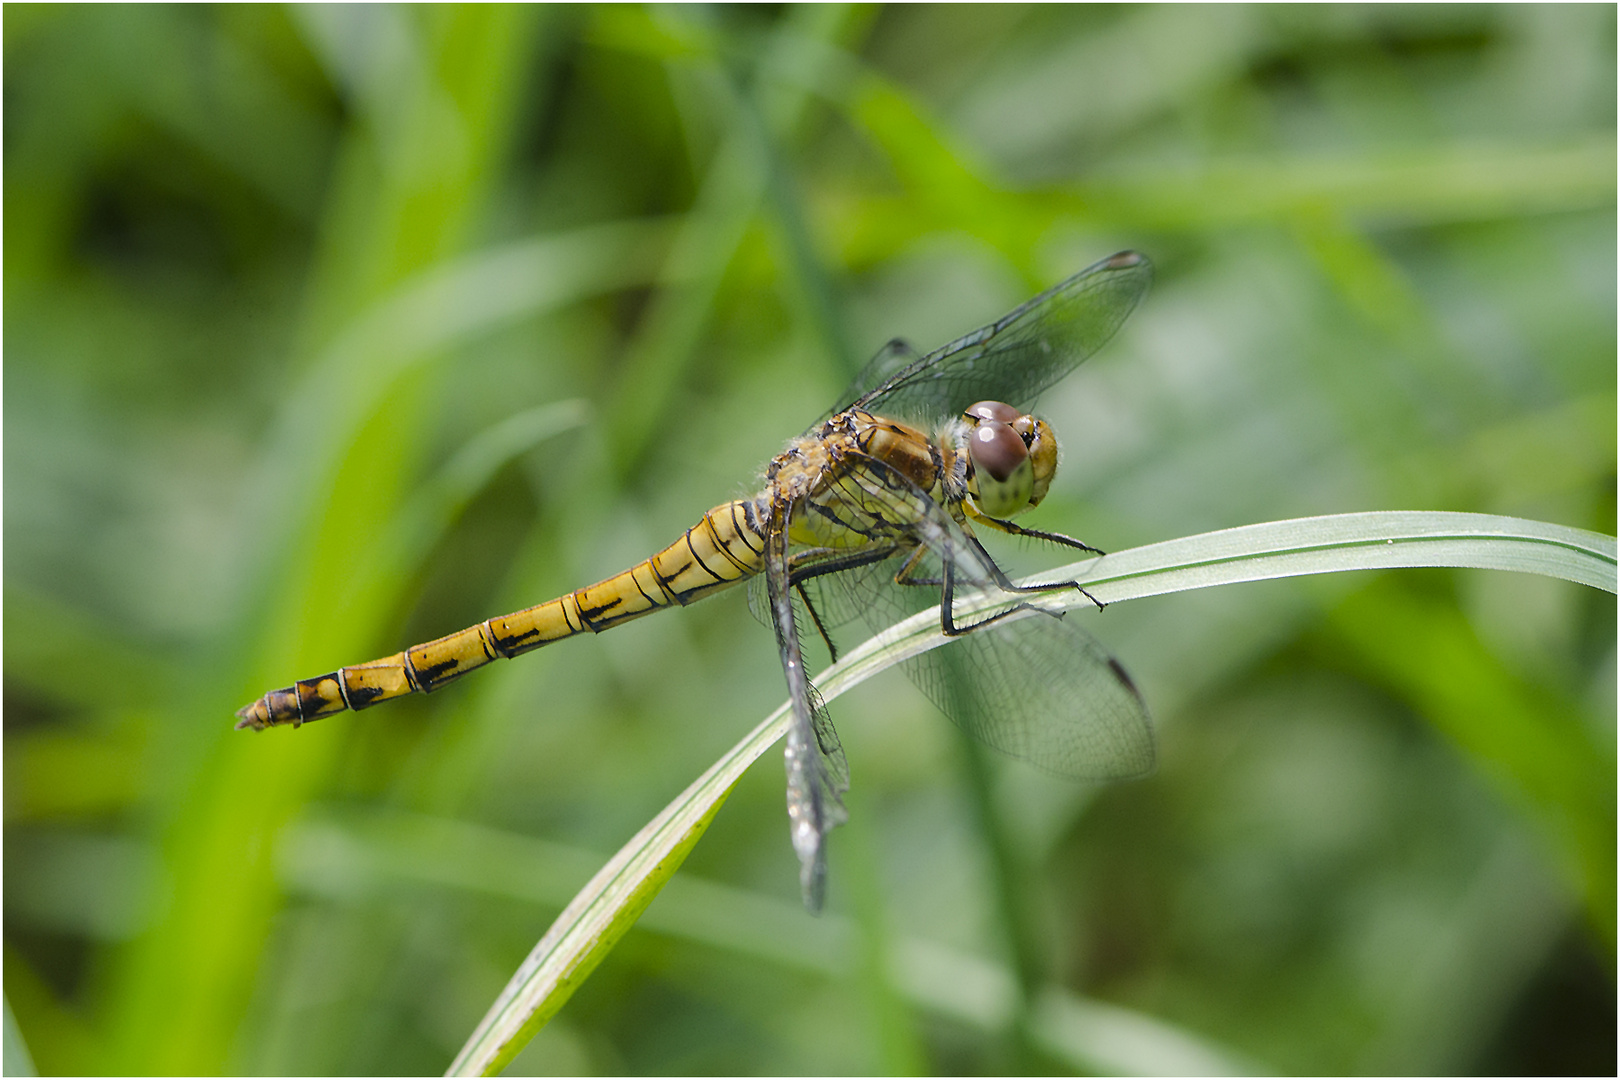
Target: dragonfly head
1013,456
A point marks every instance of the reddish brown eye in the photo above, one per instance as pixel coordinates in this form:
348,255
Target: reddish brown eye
1003,476
992,410
997,450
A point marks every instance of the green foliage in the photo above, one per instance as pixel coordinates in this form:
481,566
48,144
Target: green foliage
334,329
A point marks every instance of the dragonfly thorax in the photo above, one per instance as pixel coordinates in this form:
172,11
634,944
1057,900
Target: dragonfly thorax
1011,458
845,483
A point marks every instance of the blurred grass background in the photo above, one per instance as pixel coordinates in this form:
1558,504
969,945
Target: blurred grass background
329,330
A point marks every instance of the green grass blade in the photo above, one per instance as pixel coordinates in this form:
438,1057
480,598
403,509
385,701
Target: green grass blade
607,907
18,1061
348,857
593,923
1378,540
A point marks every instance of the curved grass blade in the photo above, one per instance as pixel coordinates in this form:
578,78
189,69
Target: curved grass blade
18,1061
607,907
1377,540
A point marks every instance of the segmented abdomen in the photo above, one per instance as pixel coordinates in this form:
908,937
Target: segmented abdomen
720,550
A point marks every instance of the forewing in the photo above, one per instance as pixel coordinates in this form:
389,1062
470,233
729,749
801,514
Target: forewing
1016,357
889,365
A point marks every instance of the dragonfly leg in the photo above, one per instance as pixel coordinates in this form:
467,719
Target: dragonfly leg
1013,529
907,575
1004,582
808,565
947,601
832,650
1017,530
827,561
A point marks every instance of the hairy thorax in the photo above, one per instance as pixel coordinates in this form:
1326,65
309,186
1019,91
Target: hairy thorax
838,499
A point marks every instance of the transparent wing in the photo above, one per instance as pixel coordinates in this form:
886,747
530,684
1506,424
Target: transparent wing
1033,685
829,615
1013,359
888,365
817,771
1041,689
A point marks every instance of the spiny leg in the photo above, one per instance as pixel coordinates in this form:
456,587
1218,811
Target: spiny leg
832,650
1004,582
1014,529
1037,534
820,561
907,575
947,603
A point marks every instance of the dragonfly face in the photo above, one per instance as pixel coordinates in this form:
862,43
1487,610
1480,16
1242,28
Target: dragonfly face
1013,457
866,516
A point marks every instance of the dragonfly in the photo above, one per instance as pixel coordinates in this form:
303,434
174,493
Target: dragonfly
872,514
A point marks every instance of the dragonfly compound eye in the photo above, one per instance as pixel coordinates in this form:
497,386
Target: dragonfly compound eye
1001,468
998,411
